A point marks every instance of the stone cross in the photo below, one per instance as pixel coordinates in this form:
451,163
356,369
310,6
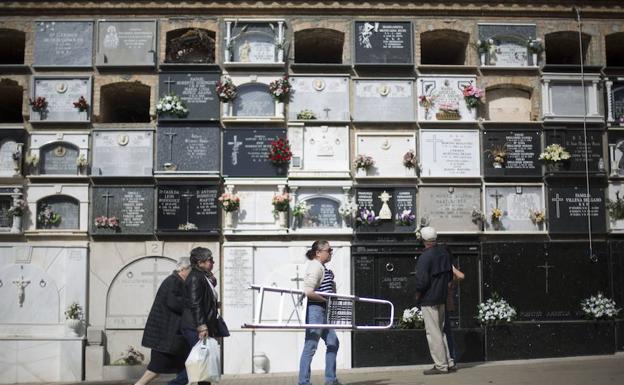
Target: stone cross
558,199
187,195
169,82
155,274
434,140
235,145
327,109
107,196
297,278
21,293
546,267
170,134
385,212
496,196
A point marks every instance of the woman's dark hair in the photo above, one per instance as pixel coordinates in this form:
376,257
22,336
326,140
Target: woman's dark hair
316,246
200,254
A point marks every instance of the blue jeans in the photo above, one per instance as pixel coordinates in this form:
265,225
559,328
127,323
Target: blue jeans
316,315
449,337
182,378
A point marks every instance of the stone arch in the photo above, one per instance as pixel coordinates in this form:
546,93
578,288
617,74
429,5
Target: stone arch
454,43
67,206
190,45
319,46
615,49
509,102
125,102
11,101
253,99
47,155
12,46
562,47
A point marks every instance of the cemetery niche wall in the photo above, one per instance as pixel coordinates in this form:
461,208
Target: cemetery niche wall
569,207
254,42
318,151
450,208
197,96
256,215
383,43
509,104
122,210
126,43
12,209
615,206
514,208
562,98
193,45
187,208
508,45
58,154
60,99
253,100
324,210
616,153
615,101
11,154
122,153
188,150
441,98
11,100
385,209
314,46
63,44
383,100
319,98
57,209
511,153
573,141
246,152
449,153
393,153
562,275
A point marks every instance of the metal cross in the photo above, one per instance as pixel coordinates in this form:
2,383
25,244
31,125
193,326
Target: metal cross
170,134
496,195
297,279
546,266
235,144
21,294
155,274
435,142
107,196
558,199
187,195
169,82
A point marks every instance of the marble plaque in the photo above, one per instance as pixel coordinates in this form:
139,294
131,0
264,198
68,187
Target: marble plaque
237,277
574,142
384,101
8,147
58,159
60,94
132,292
326,96
509,53
617,102
387,152
569,207
449,208
253,99
256,209
67,207
245,152
323,213
63,43
122,153
523,149
616,191
616,154
194,149
446,96
126,43
187,208
450,153
517,203
133,206
319,148
567,98
383,42
385,203
254,42
196,89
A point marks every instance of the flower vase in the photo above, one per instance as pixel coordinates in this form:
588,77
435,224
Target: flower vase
74,327
227,109
229,219
280,55
497,164
473,113
260,363
482,58
410,171
553,167
16,228
282,219
497,224
534,57
360,172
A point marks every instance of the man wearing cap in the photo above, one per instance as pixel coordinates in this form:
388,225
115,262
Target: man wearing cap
433,273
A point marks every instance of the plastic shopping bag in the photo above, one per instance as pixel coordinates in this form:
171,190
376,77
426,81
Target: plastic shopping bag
204,362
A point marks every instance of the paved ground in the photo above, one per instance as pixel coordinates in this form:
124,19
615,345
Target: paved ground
600,370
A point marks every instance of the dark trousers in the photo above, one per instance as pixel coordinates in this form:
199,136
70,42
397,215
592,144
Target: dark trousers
449,337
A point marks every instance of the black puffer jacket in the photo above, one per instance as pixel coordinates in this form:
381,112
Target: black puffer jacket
200,304
162,329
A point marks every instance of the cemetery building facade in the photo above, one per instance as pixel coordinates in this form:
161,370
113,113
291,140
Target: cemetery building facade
132,132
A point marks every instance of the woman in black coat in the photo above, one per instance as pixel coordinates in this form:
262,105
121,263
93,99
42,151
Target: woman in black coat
162,331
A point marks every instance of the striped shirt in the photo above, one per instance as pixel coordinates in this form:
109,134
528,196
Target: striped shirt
327,284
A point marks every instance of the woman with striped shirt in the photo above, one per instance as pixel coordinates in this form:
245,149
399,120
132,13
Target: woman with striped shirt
318,279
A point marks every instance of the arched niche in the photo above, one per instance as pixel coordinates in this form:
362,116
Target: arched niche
67,207
58,158
563,47
190,45
319,46
125,102
12,44
615,49
443,47
253,99
323,212
508,104
11,95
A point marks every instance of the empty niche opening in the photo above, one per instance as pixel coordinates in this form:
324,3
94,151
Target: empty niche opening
615,49
319,46
190,45
563,48
6,219
58,212
11,94
125,103
12,43
508,104
443,47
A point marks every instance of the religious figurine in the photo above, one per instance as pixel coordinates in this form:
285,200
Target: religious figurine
111,40
385,212
243,52
21,293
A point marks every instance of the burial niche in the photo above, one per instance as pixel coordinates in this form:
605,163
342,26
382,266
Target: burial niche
563,47
254,99
58,158
319,46
454,45
58,212
12,43
11,94
125,103
190,45
508,104
615,49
